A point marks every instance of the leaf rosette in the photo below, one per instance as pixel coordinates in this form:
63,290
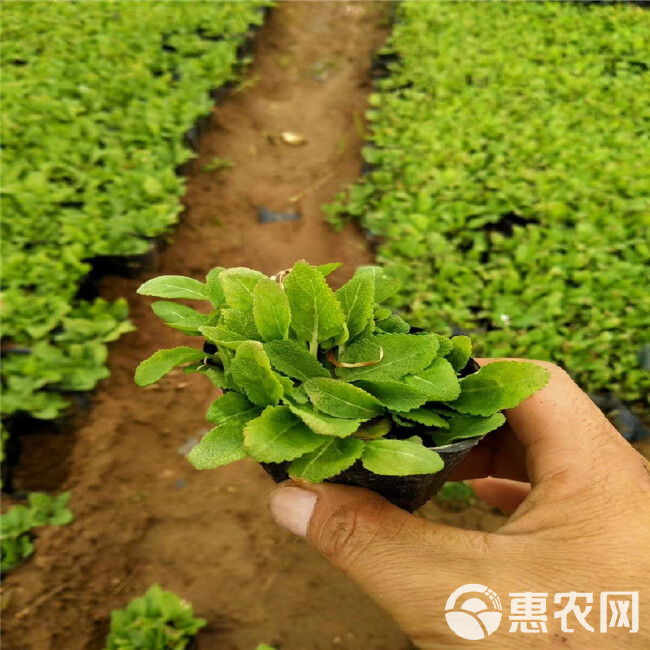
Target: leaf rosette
320,380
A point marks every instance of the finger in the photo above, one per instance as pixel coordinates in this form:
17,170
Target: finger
562,430
500,454
386,550
501,493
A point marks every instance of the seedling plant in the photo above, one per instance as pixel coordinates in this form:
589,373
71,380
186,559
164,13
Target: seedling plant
319,380
18,522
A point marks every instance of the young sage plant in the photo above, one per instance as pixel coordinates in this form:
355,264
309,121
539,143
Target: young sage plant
319,380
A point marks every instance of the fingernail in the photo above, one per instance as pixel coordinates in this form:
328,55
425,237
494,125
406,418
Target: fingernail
292,507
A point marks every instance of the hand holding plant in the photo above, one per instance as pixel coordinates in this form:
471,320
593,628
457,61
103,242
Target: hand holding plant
581,525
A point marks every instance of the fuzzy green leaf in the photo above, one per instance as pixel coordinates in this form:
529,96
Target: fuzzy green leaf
232,407
218,378
179,316
357,297
373,430
174,286
271,310
468,426
460,352
316,314
385,287
251,370
278,435
219,446
400,458
401,422
402,354
499,385
393,394
323,424
382,313
445,346
235,326
342,400
292,359
393,324
238,284
425,416
438,382
214,288
326,269
336,455
161,362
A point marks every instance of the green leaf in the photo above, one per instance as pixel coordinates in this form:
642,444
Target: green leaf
278,435
231,407
161,362
251,370
342,400
326,269
238,284
395,395
214,288
382,313
385,287
499,385
357,298
292,359
297,395
399,458
271,310
323,424
179,316
402,354
335,341
316,314
425,416
219,446
401,422
468,426
373,430
234,327
336,455
438,382
460,353
445,345
393,324
174,286
218,378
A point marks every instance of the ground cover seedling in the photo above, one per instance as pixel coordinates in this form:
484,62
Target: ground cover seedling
157,620
318,382
17,523
97,106
508,209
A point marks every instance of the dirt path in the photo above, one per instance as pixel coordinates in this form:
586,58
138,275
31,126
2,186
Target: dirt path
143,514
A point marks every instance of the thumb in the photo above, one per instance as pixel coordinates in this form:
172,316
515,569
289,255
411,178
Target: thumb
402,561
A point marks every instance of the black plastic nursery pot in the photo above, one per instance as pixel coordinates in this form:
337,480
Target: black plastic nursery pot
407,492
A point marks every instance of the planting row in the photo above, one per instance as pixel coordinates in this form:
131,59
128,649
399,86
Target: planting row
508,184
96,105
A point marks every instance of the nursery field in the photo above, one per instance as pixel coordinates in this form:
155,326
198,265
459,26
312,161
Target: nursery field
508,183
114,88
493,157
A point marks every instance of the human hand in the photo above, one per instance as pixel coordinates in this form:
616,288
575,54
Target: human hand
582,524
